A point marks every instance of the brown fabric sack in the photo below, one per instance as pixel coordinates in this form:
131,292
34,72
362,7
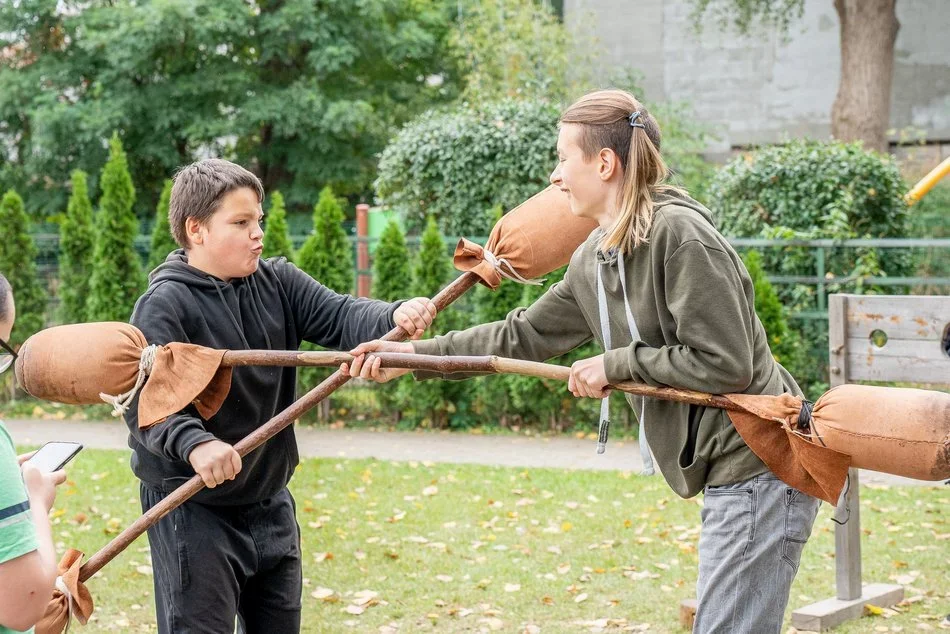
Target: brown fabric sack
533,239
903,431
78,362
768,425
56,618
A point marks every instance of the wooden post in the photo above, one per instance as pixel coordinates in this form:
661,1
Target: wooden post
851,594
363,279
848,535
688,614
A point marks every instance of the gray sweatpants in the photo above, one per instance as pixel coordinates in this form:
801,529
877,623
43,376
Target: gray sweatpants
749,549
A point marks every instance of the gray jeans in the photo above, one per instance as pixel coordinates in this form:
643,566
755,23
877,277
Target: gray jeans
749,550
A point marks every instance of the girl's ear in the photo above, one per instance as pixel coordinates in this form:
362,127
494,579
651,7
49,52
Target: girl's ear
607,164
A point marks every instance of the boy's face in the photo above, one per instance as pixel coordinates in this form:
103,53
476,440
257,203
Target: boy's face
229,244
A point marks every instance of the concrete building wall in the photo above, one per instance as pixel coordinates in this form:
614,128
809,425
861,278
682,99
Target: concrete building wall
761,88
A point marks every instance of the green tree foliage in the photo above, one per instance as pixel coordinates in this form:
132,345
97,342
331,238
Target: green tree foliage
516,48
392,279
392,275
436,404
76,244
744,15
304,96
457,165
276,235
327,254
433,269
929,219
811,190
163,242
16,264
786,343
117,279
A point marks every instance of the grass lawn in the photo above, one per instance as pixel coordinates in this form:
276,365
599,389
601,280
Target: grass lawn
409,547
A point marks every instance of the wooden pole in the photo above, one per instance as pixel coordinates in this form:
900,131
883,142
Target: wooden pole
254,440
488,364
363,280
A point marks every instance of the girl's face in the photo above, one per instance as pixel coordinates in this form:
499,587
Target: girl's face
591,184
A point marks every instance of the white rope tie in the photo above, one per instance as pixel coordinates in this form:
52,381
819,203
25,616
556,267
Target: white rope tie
499,264
120,404
61,586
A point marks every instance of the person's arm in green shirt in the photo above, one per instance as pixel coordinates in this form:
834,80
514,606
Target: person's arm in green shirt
27,555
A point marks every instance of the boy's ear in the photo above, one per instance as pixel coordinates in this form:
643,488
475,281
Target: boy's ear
194,230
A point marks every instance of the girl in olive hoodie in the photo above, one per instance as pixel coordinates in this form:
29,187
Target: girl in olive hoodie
671,304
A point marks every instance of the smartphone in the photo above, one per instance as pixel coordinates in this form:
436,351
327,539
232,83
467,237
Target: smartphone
53,456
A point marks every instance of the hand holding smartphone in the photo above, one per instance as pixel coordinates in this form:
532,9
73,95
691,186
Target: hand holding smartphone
53,456
42,472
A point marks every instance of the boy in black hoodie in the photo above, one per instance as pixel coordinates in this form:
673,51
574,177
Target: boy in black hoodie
233,550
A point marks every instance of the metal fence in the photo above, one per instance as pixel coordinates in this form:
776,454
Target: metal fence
935,252
932,256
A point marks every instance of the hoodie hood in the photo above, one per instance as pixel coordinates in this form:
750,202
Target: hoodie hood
176,268
664,199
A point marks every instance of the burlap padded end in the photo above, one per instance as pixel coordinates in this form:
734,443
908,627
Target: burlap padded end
536,237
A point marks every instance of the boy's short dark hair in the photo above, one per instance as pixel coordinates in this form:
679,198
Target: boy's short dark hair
199,189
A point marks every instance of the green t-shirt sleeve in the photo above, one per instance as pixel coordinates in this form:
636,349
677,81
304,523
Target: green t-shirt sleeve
17,533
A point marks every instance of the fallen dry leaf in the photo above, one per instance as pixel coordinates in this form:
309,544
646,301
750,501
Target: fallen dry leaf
365,597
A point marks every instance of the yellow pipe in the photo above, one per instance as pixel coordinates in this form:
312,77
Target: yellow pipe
927,182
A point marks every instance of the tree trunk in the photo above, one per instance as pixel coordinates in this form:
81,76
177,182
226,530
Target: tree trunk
862,107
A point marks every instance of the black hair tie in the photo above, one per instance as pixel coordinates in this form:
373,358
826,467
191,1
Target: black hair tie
804,416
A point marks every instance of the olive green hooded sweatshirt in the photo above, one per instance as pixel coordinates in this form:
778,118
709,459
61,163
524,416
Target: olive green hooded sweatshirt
693,303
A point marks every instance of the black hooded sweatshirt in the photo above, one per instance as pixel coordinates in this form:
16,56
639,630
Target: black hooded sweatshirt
275,308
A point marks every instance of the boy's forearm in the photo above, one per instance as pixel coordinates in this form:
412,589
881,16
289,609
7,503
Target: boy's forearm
173,438
368,319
